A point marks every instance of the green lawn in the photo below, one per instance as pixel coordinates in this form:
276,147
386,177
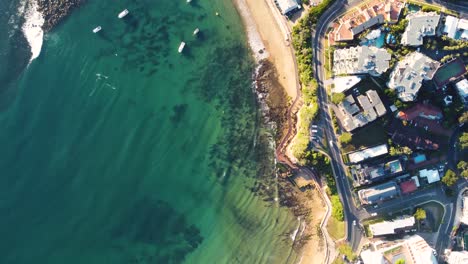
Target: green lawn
336,228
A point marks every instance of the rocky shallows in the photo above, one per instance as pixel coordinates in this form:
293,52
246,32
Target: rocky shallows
55,10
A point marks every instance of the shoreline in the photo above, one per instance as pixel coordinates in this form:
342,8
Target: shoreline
275,78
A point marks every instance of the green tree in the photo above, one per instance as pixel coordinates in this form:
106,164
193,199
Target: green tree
463,167
463,118
464,140
345,138
400,261
420,214
337,98
346,250
397,151
450,178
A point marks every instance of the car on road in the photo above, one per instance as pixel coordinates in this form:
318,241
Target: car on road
373,214
376,206
354,222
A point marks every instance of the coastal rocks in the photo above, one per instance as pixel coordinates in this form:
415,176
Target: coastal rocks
272,97
55,10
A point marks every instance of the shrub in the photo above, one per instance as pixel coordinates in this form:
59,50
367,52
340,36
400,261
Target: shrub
345,138
337,208
337,98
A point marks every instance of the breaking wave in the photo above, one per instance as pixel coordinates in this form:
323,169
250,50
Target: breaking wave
32,26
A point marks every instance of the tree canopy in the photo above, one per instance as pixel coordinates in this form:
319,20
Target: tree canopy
463,118
420,214
463,167
450,178
464,140
400,261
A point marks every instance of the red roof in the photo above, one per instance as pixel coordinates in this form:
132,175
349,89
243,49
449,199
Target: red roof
418,110
408,186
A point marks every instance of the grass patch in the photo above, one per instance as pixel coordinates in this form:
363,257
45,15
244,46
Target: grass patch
336,228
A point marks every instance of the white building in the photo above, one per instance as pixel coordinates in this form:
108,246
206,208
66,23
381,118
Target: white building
287,6
420,24
342,84
430,175
464,217
413,249
361,60
407,76
368,153
462,89
392,227
457,257
454,25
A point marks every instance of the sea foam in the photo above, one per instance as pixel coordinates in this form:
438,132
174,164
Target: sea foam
32,27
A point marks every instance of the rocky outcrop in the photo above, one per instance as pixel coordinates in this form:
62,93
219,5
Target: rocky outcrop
55,10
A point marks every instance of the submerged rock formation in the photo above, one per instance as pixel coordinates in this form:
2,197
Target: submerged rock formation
55,10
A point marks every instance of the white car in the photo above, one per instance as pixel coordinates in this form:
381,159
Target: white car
373,214
354,222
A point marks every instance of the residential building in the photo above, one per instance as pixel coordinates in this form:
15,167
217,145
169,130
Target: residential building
342,84
287,7
456,28
354,114
462,89
421,111
361,60
378,193
420,24
365,16
430,175
407,76
358,156
397,226
457,257
412,250
408,186
365,174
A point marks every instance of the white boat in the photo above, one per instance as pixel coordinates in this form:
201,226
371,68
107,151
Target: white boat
181,47
188,1
97,29
123,13
195,32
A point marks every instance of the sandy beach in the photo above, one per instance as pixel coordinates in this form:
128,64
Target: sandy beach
260,16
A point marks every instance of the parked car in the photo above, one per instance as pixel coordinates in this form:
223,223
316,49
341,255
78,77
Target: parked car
373,214
354,222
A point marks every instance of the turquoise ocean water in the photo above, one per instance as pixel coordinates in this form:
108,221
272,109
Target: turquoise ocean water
117,149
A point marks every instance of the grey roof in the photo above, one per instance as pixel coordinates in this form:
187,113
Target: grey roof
364,102
378,193
379,19
408,74
420,24
351,116
361,59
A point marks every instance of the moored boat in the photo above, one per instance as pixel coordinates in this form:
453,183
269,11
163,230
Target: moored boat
181,47
196,31
123,13
97,29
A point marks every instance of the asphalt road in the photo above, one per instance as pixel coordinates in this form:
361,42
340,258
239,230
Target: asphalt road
353,233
